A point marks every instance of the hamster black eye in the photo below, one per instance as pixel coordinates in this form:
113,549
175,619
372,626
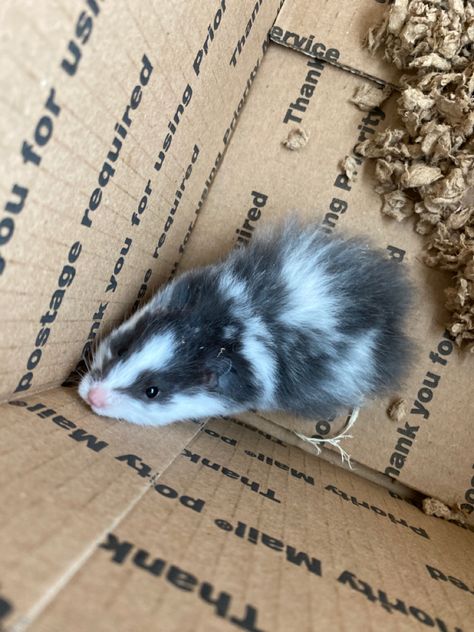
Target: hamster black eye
121,351
152,391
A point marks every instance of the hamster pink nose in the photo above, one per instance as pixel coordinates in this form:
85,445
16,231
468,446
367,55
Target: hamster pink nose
97,396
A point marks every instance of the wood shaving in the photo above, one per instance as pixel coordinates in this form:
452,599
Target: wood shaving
430,34
296,139
350,167
434,507
425,169
335,442
369,95
398,410
397,205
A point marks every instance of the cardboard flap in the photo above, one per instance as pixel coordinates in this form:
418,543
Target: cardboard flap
113,127
335,31
242,532
66,476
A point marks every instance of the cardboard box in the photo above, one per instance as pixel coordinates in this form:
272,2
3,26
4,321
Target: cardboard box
237,531
117,119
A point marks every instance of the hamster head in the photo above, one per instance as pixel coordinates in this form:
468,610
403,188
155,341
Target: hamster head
165,364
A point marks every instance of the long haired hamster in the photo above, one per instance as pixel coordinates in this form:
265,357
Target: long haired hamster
297,321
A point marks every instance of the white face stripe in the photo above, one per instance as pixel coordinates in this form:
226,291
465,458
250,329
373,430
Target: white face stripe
132,321
102,353
154,356
182,407
157,302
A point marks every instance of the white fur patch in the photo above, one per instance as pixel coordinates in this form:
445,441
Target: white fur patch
311,302
154,356
132,321
84,386
236,290
256,338
229,332
102,353
182,407
255,349
354,372
163,298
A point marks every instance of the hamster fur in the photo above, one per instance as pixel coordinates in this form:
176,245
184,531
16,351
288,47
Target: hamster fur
297,321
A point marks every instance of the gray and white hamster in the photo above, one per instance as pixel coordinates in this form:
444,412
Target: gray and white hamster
297,321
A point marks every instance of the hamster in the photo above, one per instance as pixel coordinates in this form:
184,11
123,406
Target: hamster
296,321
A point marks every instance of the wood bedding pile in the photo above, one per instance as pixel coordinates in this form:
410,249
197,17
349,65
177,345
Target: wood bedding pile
425,168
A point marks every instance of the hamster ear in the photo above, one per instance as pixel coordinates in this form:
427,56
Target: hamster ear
214,372
210,378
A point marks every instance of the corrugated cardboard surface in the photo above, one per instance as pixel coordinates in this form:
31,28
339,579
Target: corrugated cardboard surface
239,531
66,476
114,116
427,452
335,31
107,526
